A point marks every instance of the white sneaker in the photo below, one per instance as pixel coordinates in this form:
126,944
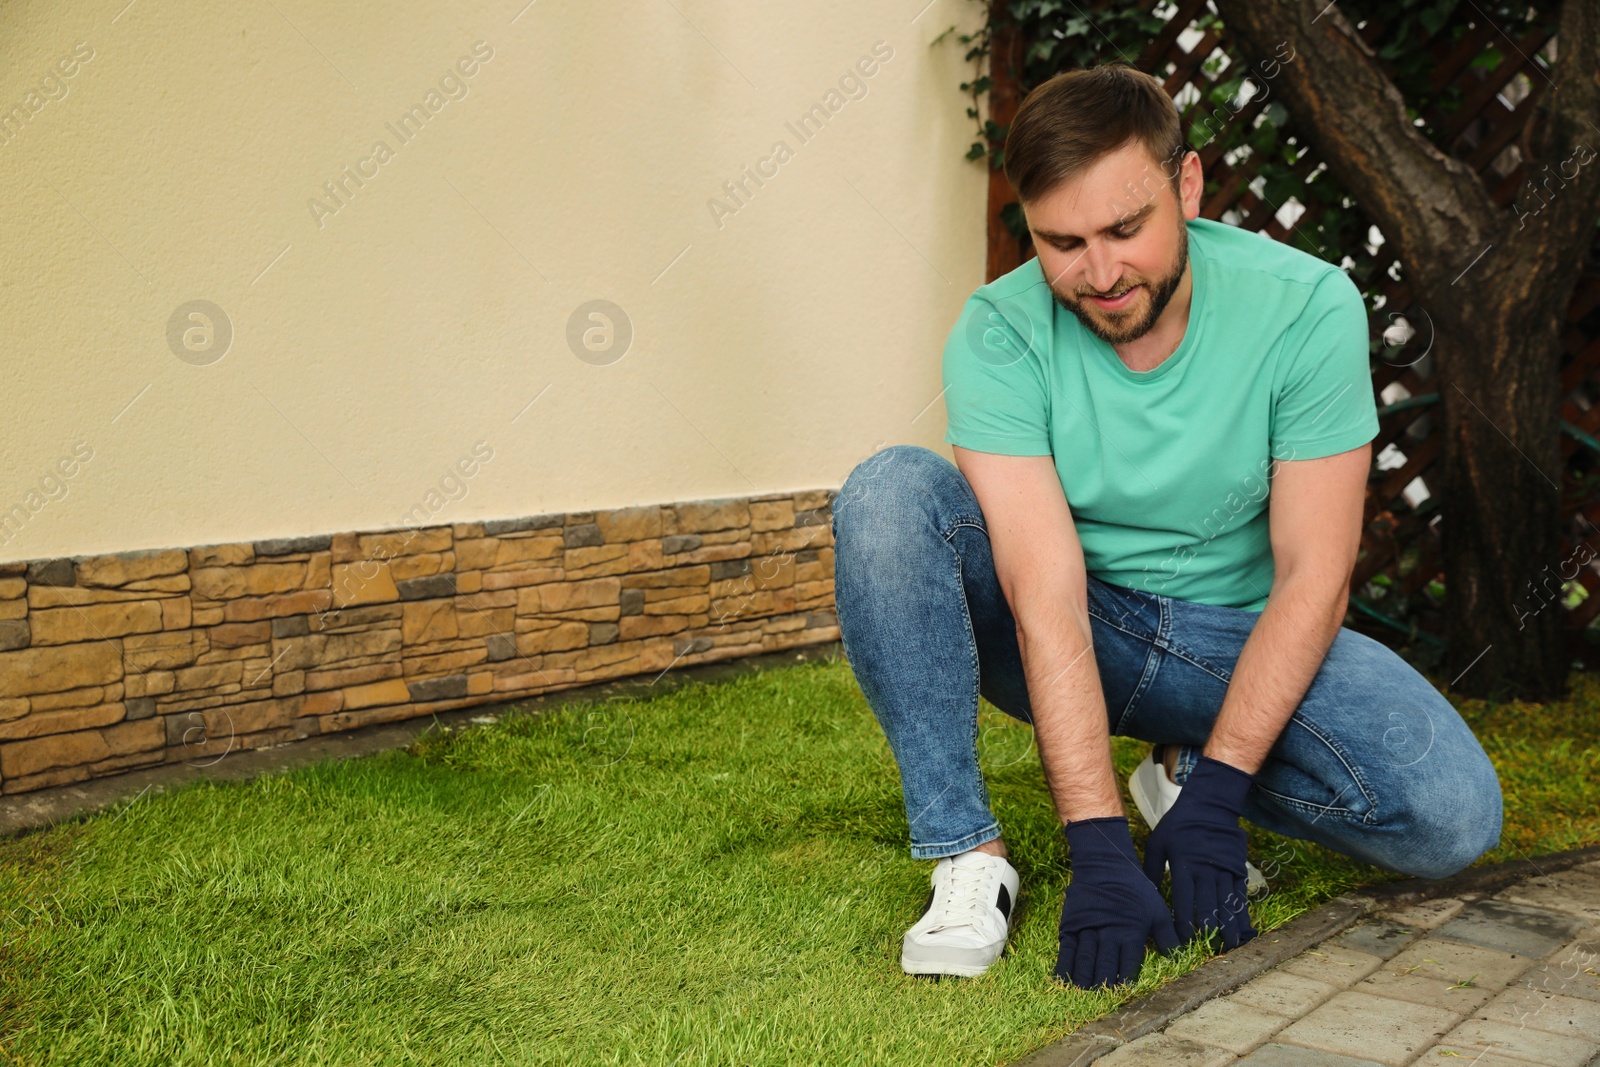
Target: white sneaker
968,917
1154,794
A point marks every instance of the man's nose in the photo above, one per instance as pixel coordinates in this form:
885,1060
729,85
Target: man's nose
1100,268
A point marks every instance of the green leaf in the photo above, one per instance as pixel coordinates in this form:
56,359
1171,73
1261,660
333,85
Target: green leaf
1014,220
1488,59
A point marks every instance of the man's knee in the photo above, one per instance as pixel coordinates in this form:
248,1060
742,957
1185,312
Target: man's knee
1436,803
889,483
1450,821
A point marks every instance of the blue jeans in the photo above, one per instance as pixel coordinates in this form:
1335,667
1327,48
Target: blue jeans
1375,763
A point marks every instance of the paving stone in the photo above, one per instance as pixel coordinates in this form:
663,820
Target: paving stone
1382,939
1512,981
1362,1025
1336,966
1517,928
1573,972
1283,993
1440,1055
1519,1043
1576,892
1276,1055
1454,962
1425,914
1228,1024
1158,1050
1423,989
1550,1012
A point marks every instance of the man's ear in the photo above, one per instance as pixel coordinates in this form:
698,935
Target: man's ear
1191,184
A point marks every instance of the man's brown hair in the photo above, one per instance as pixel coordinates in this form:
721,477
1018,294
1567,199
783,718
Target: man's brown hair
1068,122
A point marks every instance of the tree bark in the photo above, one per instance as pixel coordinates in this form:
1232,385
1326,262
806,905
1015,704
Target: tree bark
1495,283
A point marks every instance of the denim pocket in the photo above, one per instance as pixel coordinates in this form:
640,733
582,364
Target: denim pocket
1308,770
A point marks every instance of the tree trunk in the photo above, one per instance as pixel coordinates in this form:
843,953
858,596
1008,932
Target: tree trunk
1499,473
1495,283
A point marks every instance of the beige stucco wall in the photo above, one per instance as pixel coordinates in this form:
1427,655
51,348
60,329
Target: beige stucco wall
376,346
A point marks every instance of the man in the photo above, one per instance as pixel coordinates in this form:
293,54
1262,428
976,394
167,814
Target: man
1121,409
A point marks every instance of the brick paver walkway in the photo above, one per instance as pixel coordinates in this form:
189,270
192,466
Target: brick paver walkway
1506,980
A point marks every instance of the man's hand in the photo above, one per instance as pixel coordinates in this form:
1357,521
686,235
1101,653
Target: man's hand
1111,909
1201,840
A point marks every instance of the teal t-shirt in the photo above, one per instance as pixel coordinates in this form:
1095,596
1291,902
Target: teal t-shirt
1167,471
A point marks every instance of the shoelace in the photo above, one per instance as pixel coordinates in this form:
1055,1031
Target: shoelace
965,897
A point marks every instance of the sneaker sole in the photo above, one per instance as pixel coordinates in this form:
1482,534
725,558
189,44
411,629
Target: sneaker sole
932,961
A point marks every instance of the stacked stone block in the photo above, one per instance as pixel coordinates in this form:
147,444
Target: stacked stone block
108,663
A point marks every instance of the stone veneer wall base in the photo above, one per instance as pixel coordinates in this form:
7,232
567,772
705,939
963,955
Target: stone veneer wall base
115,662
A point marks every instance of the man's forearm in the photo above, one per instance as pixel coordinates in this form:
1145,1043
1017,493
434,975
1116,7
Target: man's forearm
1069,713
1275,668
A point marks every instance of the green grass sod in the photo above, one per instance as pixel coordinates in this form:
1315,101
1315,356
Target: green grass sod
718,875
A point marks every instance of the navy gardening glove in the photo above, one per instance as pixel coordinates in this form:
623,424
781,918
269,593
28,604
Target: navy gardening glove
1111,908
1201,840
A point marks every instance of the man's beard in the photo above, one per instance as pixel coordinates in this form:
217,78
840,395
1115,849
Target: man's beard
1160,293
